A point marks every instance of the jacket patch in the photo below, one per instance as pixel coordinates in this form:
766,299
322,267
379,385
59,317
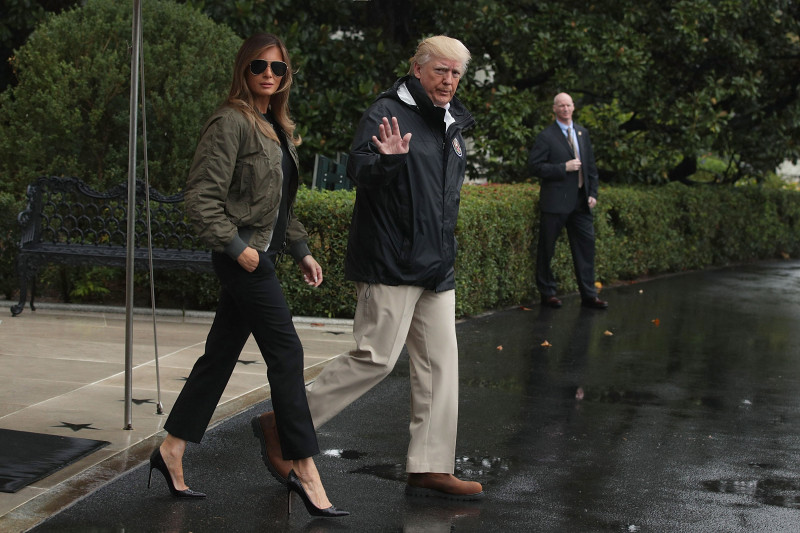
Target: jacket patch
457,148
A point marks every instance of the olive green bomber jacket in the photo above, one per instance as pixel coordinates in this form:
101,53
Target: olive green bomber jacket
233,191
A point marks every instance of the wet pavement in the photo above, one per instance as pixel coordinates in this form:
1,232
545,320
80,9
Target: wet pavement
675,410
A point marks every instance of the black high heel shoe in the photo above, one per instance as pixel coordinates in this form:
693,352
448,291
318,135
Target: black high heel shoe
293,485
157,462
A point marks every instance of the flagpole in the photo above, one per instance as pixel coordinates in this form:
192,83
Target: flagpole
131,235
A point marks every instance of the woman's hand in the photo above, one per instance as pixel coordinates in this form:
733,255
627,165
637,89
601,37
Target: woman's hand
312,272
248,259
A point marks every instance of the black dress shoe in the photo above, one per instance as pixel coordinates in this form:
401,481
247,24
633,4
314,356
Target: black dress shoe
594,303
551,301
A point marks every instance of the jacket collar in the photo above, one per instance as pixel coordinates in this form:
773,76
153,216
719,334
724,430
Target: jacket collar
423,102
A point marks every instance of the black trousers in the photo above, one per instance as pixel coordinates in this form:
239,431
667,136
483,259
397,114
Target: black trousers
580,231
250,302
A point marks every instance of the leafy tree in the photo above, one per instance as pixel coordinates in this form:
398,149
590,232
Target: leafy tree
69,113
663,85
18,19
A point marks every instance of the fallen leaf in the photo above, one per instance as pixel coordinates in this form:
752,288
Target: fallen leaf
525,308
598,285
607,333
546,344
320,324
500,347
656,321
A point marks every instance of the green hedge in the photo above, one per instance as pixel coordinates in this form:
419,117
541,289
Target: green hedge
643,231
494,265
640,231
9,235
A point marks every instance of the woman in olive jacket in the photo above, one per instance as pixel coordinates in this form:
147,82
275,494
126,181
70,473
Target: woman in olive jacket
239,196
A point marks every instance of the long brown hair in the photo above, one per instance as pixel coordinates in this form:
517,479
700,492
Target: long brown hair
241,98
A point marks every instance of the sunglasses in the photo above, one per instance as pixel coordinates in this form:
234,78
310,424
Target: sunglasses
257,66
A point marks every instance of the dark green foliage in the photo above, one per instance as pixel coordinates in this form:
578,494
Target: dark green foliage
326,217
69,114
17,20
494,265
9,239
641,231
661,85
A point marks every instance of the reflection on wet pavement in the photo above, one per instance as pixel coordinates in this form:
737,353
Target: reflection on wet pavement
344,454
780,492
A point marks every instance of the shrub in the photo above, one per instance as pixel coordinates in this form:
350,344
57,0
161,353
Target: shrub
69,114
326,217
640,231
496,229
9,237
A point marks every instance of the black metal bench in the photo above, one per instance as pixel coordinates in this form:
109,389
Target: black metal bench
66,222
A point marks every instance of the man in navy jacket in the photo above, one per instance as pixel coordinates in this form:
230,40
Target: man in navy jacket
563,160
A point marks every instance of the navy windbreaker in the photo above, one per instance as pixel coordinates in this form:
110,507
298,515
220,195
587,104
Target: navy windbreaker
404,220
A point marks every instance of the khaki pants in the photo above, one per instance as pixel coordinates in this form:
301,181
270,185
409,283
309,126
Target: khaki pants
386,318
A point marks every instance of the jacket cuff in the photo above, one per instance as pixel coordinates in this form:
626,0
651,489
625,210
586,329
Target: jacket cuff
393,162
298,250
235,248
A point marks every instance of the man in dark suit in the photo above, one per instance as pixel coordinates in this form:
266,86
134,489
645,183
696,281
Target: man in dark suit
562,159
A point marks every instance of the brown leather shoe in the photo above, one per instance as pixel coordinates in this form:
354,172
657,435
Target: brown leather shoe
551,301
266,431
445,486
594,303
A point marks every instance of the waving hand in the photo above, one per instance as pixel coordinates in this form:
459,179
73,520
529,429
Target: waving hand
391,142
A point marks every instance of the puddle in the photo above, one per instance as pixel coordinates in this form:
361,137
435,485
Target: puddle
345,454
777,492
618,396
396,472
481,468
